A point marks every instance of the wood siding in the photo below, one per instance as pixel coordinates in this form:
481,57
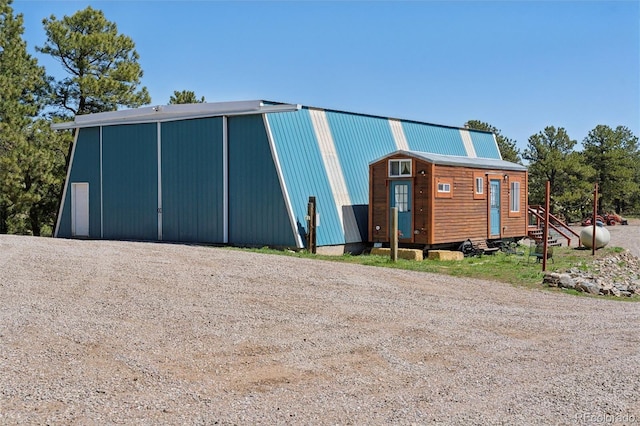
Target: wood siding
440,220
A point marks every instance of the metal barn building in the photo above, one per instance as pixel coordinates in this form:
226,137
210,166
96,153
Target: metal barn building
237,173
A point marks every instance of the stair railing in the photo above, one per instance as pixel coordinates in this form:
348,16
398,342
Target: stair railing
538,213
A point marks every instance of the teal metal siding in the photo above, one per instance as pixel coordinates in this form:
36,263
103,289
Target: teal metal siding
485,145
359,140
434,139
192,180
257,210
130,182
85,167
304,173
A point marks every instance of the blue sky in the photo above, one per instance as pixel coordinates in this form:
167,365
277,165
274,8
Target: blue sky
517,65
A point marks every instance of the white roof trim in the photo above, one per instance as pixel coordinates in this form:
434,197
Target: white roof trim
162,113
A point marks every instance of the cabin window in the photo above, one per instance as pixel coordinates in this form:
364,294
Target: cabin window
478,186
444,188
514,198
399,168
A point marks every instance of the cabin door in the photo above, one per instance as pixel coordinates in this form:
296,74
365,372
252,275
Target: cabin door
494,208
400,197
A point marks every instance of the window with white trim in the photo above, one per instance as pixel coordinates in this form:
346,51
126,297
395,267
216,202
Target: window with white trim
444,187
514,202
399,168
479,185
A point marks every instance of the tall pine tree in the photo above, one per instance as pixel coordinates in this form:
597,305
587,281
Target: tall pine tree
22,84
102,65
551,158
613,153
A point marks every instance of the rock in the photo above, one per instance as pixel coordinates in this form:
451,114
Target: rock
617,274
551,279
566,281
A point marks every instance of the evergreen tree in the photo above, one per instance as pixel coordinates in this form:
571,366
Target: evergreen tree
551,158
614,155
103,67
22,86
185,97
31,178
507,147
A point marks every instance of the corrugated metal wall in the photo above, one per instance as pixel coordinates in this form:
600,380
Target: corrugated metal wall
321,153
485,145
257,210
130,177
192,184
359,140
304,174
85,167
434,139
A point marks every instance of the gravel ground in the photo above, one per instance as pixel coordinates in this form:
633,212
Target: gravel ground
100,332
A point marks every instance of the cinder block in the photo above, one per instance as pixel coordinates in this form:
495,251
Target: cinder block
409,254
445,255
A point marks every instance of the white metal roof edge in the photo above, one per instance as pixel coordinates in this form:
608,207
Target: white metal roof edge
161,113
455,160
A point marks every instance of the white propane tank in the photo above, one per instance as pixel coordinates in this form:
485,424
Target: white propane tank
602,236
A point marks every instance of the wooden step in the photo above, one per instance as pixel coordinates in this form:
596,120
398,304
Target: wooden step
536,234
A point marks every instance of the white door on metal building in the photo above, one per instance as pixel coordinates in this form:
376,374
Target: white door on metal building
80,209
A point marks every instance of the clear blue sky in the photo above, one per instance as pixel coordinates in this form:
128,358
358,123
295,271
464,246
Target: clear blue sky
517,65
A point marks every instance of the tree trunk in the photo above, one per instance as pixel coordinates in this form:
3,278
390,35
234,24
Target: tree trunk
34,219
3,219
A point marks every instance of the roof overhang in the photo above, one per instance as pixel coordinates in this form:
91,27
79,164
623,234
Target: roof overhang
162,113
453,160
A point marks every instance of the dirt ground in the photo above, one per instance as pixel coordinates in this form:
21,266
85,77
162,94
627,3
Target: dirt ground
102,332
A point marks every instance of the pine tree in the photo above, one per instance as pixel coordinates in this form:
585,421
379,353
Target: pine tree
102,65
551,158
22,86
614,154
185,97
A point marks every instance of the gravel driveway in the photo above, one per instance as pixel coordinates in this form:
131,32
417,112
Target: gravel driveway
100,332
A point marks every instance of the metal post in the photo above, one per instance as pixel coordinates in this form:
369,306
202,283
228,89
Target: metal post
545,237
393,240
593,220
311,222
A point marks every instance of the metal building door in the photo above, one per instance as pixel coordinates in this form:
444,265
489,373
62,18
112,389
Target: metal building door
494,208
80,209
400,197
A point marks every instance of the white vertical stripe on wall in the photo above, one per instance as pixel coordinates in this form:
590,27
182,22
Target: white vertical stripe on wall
101,203
398,135
66,181
159,148
337,181
468,143
225,179
283,186
497,147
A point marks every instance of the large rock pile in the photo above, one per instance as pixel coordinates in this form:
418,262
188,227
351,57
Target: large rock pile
614,275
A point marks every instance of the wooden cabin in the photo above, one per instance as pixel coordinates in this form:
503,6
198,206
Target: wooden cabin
444,200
